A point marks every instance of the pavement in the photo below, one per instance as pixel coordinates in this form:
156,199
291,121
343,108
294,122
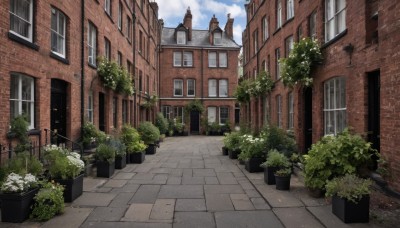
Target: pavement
189,183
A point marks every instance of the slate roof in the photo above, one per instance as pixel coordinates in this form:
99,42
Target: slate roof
200,38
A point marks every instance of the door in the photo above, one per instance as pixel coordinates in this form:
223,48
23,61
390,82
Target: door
307,119
194,122
374,109
102,119
58,110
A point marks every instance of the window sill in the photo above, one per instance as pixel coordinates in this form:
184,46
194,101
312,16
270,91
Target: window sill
178,95
92,66
109,17
22,41
288,21
120,30
336,38
276,31
59,58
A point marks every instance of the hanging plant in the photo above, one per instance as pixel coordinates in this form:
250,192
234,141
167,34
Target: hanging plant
108,72
150,102
194,105
125,83
242,92
262,85
296,68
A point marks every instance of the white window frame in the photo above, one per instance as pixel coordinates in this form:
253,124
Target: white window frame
277,64
212,62
212,114
90,106
255,41
92,43
177,58
187,59
278,14
265,26
166,110
217,38
58,33
176,85
20,102
189,86
223,59
335,105
333,17
290,9
28,21
212,87
107,7
289,44
120,16
129,28
221,89
107,49
290,111
313,25
178,112
181,37
220,118
279,111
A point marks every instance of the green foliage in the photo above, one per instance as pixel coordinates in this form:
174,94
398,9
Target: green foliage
214,127
276,159
171,127
335,156
62,163
161,123
194,105
349,187
285,172
277,138
297,67
124,83
114,76
23,163
92,135
151,102
232,140
19,130
148,132
261,85
119,146
251,147
204,124
131,138
105,153
49,202
242,92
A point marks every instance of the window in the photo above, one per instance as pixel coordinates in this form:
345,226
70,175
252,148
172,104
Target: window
119,58
120,16
288,45
140,42
255,41
278,14
187,59
313,25
107,6
335,18
177,58
335,105
279,111
166,110
21,18
212,114
212,87
212,59
191,87
265,32
129,28
58,32
217,38
290,111
289,9
22,97
92,43
299,33
178,87
90,106
129,68
223,115
140,81
223,88
115,112
107,49
277,65
181,37
178,114
124,111
223,59
264,65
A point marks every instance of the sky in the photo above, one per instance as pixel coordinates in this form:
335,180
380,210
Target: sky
173,11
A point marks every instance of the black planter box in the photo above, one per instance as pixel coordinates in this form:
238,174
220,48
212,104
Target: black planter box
73,188
137,158
105,169
16,207
269,177
241,162
128,158
224,151
253,165
282,183
151,149
120,162
233,154
350,212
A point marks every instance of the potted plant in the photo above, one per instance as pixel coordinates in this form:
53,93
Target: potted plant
282,178
105,156
66,168
120,152
149,134
161,123
252,153
232,142
350,198
275,161
16,196
135,148
91,136
19,130
49,201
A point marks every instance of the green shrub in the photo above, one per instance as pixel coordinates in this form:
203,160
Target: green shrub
251,147
148,132
19,127
131,138
335,156
23,163
105,153
92,135
285,172
277,138
119,146
161,123
62,163
276,159
232,140
49,202
349,187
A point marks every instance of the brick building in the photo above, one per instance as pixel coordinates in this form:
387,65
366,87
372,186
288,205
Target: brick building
199,64
357,84
48,66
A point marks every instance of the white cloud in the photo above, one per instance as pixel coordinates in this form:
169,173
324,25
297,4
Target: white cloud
177,8
219,7
237,33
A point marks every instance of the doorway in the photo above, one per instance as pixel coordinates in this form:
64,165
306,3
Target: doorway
374,110
102,119
307,119
194,122
58,110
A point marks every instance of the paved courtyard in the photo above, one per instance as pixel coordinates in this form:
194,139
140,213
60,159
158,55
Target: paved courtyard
188,183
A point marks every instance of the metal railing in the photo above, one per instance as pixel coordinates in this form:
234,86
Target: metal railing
52,137
35,148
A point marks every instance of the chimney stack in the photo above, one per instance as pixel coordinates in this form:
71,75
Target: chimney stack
213,24
229,26
187,22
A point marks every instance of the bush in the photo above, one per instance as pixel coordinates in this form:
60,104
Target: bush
335,156
23,163
349,187
232,140
92,135
276,159
277,138
131,138
120,148
251,147
105,153
148,132
63,164
19,127
49,201
161,123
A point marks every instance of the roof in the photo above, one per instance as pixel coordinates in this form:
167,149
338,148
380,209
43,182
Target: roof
200,38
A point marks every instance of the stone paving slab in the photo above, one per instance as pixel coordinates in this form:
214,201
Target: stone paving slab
241,202
211,180
260,204
71,218
190,205
253,219
90,199
174,180
163,209
123,176
326,217
181,192
90,184
193,180
121,200
129,188
115,183
278,198
220,189
296,217
219,202
138,212
108,214
194,220
125,225
146,194
204,173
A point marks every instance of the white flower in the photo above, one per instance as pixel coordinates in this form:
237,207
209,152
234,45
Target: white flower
18,183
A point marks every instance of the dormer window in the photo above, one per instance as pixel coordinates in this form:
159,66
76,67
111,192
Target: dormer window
217,38
181,37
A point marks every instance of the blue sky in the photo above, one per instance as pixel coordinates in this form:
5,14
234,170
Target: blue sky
173,11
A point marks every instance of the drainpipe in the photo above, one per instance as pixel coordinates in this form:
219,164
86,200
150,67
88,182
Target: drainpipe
134,63
82,65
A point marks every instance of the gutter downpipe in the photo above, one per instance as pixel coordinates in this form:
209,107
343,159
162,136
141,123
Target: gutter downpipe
82,65
134,64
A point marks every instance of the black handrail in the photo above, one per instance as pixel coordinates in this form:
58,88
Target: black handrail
53,133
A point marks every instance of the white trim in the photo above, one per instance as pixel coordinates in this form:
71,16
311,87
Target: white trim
193,98
30,32
178,80
187,87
